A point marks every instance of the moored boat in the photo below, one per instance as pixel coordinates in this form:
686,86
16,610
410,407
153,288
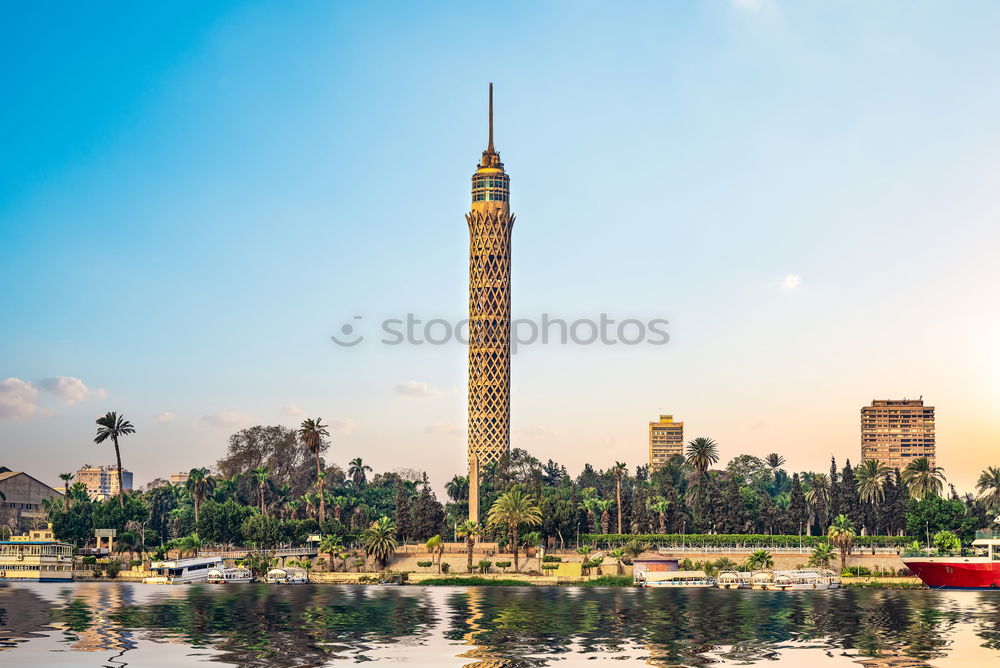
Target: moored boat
803,580
674,579
733,580
979,570
286,576
182,571
229,575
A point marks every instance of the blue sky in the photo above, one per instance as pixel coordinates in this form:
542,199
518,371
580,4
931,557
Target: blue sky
194,196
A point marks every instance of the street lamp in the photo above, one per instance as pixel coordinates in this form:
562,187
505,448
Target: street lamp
578,534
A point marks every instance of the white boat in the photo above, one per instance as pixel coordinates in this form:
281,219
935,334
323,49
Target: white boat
182,571
804,580
733,580
286,576
674,579
761,579
229,575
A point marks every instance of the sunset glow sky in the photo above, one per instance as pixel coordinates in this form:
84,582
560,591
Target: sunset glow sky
195,196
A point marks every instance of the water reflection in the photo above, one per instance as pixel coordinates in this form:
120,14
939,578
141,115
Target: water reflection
259,625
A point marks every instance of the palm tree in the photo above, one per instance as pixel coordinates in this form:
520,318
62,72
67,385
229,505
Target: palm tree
590,505
618,554
261,476
760,560
512,510
870,476
66,477
702,453
775,461
199,485
435,546
923,479
330,545
604,505
458,488
379,540
841,534
114,427
988,487
358,472
189,545
470,531
821,555
339,503
818,495
634,547
620,469
725,564
660,507
311,433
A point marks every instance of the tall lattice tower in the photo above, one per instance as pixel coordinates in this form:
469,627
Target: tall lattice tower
490,225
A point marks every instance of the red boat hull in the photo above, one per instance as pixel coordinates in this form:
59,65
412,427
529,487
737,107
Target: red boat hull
956,574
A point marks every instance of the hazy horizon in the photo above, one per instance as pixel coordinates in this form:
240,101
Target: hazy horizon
196,197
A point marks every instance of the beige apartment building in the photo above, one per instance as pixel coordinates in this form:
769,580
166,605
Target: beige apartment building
897,431
102,481
666,439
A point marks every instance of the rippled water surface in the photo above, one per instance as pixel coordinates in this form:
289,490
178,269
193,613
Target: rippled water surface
118,624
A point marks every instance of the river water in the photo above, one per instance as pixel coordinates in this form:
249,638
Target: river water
120,624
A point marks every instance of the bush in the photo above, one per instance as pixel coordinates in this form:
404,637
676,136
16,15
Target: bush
135,563
484,565
603,541
89,561
466,581
503,565
549,567
551,559
113,569
857,572
445,567
425,564
610,581
98,570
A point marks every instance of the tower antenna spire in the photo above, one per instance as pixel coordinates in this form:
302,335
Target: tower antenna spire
490,148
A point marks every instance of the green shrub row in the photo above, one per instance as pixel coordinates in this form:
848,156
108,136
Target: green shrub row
735,540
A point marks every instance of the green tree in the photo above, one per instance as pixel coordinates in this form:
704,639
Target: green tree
947,541
760,560
189,545
818,498
470,531
199,485
618,554
604,508
923,479
313,434
358,472
435,547
841,533
510,511
331,546
379,540
66,478
931,514
261,478
458,488
263,531
775,461
620,470
988,488
821,555
702,453
113,426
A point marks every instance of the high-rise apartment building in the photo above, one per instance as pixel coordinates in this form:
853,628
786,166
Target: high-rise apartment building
102,481
897,431
666,439
490,225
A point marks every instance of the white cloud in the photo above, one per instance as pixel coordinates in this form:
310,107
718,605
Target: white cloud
293,411
17,399
227,420
444,429
164,417
70,390
790,282
534,433
415,388
342,425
